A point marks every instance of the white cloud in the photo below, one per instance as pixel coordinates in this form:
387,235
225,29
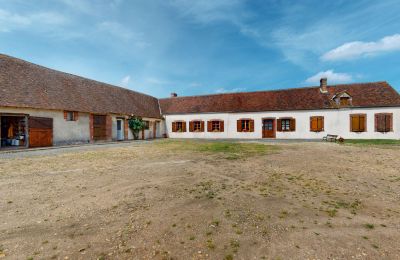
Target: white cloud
125,81
357,49
332,76
223,90
41,20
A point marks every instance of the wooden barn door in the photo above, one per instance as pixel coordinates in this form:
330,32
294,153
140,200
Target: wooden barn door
40,131
99,127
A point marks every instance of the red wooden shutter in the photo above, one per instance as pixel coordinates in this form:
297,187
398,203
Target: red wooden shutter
191,126
239,125
292,124
202,126
173,127
279,125
65,115
183,126
377,117
314,124
354,123
76,116
389,122
251,122
221,126
209,127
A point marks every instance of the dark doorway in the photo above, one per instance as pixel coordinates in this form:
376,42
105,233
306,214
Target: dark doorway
269,128
13,131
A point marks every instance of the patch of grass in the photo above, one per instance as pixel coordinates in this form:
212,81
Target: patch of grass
228,257
231,150
372,142
369,226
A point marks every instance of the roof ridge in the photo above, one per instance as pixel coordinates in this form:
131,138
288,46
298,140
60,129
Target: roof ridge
72,75
278,90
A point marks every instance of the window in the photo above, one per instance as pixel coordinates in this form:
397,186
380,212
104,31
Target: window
316,123
146,125
358,122
70,116
245,125
179,126
196,126
384,122
286,125
215,126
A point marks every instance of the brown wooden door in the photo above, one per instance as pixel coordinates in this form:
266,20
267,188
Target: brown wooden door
40,131
99,127
269,128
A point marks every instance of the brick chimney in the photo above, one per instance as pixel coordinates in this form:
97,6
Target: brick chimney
323,85
174,94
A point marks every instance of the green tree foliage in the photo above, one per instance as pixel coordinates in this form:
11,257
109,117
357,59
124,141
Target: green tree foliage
136,124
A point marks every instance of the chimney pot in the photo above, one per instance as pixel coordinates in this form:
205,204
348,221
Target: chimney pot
174,94
324,85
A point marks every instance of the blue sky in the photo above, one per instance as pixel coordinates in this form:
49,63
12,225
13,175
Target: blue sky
207,46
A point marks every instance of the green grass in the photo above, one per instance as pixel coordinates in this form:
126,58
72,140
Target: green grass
230,150
372,142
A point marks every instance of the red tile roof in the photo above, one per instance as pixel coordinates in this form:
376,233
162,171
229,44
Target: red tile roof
23,84
376,94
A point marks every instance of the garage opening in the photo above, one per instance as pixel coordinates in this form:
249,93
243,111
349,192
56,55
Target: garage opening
40,131
99,128
13,131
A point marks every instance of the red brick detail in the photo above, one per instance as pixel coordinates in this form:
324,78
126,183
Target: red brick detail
126,128
109,127
91,129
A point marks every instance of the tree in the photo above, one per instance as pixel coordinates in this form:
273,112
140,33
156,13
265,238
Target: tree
136,124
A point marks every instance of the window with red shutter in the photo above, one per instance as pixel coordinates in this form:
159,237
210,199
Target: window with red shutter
383,122
316,123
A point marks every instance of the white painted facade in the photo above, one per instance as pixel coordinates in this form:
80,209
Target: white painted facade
336,121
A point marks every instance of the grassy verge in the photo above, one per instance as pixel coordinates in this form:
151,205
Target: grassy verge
230,150
372,142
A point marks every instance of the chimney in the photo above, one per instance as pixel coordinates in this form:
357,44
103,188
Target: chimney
174,94
323,85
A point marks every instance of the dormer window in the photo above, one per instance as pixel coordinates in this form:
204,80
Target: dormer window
342,99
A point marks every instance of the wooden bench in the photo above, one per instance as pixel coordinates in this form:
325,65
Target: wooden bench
330,138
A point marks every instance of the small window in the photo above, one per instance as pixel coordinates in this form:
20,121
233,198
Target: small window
344,101
197,126
179,126
215,126
70,115
316,123
245,125
146,125
384,122
358,123
286,125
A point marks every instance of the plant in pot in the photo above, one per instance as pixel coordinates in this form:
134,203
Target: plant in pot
136,124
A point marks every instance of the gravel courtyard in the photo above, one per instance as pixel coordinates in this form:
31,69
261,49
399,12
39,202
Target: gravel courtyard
202,200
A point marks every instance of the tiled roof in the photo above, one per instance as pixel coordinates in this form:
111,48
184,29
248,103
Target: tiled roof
23,84
375,94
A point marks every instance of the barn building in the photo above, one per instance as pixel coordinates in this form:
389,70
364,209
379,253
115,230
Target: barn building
43,107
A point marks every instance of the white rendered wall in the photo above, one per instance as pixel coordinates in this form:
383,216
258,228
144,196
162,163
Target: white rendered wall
336,121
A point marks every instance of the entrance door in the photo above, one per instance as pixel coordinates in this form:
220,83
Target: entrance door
99,127
40,131
269,128
120,130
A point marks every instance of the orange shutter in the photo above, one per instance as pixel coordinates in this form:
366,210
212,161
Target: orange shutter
76,116
191,126
292,124
363,122
354,123
279,125
314,124
173,127
389,122
65,115
221,126
183,126
209,126
251,122
202,126
239,125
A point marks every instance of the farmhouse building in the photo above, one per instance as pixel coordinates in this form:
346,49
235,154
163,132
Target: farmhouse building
44,107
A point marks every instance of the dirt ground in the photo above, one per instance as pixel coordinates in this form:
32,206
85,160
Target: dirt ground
169,200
